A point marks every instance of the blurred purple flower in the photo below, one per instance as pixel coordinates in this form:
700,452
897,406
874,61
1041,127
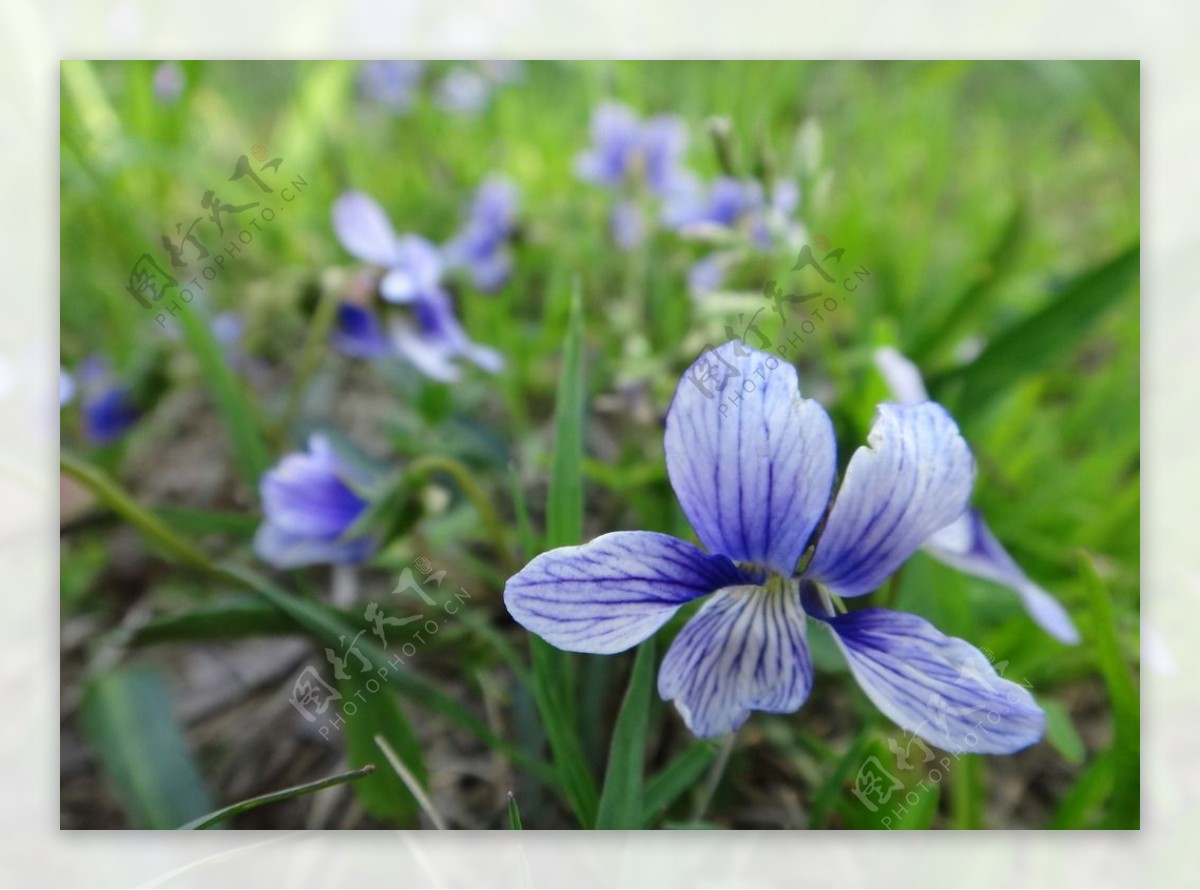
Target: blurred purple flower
428,334
463,91
107,407
627,224
66,387
108,414
310,500
625,148
707,274
358,333
481,245
391,83
169,82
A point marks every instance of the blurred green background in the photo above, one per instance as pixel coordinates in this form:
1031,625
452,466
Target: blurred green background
996,207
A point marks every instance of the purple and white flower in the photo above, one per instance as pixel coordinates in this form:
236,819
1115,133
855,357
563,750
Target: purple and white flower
638,159
423,328
738,213
753,466
967,544
310,501
626,150
481,245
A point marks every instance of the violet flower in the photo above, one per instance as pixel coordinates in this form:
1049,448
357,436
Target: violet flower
310,501
753,464
422,326
481,246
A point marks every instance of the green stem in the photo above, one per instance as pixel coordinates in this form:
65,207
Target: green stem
310,356
221,815
125,507
435,463
714,777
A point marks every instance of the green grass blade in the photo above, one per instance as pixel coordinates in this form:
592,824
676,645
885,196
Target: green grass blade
553,671
1125,804
514,814
621,800
831,790
235,618
254,803
128,718
246,437
377,713
976,297
411,782
1086,798
557,709
564,512
1033,343
682,773
1061,732
967,793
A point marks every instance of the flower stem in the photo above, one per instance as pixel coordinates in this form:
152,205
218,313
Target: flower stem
434,463
714,777
125,507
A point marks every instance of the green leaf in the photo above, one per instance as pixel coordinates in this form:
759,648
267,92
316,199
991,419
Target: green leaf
974,300
553,671
551,683
1060,732
208,522
410,781
232,619
1035,342
514,814
1084,801
127,717
1125,804
254,803
377,712
921,814
678,776
250,450
967,793
621,803
564,512
831,790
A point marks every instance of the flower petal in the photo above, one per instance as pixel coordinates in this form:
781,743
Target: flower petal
358,333
286,550
432,356
364,229
743,651
901,375
968,545
751,461
940,688
913,479
305,495
614,592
